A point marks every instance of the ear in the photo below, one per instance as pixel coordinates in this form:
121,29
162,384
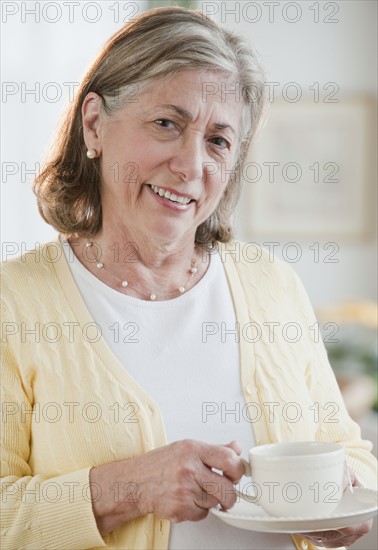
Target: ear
90,112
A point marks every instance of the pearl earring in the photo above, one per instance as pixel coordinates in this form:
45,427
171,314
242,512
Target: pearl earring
91,153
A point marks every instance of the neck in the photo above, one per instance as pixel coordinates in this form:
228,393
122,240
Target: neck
141,268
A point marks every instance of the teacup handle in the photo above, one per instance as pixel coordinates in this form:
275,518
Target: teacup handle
247,498
242,495
247,467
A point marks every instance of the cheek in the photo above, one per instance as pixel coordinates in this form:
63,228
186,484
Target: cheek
111,163
120,165
136,161
213,193
130,175
217,185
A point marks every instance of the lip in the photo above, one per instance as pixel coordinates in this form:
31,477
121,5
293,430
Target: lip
170,204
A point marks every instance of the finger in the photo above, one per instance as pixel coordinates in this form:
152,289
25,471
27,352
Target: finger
222,458
235,446
206,501
339,537
194,513
355,530
329,539
349,479
317,540
218,489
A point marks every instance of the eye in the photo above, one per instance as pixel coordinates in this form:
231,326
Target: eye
221,142
164,122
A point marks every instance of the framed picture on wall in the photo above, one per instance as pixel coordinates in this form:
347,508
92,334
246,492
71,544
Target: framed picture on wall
311,171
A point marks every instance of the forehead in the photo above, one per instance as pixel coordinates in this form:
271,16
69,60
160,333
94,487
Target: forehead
209,85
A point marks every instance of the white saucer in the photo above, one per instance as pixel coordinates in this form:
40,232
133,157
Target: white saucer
355,507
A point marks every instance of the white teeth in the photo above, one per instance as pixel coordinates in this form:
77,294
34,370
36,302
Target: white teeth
168,195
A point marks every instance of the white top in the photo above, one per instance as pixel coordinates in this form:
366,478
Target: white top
184,354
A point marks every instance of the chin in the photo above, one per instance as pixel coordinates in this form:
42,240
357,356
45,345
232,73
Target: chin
170,232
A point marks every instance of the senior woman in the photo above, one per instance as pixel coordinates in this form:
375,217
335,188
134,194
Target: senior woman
125,364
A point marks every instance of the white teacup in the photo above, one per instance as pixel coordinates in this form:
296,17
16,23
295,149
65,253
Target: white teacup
297,479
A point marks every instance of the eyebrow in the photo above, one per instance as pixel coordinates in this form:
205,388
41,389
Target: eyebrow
186,115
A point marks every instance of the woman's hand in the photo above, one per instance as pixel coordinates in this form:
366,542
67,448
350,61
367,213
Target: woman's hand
339,537
175,482
345,536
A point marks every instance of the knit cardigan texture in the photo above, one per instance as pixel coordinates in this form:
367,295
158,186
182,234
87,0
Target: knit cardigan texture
69,405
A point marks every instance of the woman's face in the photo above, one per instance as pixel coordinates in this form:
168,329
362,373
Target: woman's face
178,136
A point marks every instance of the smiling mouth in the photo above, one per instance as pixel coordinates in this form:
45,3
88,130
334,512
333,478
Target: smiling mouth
180,199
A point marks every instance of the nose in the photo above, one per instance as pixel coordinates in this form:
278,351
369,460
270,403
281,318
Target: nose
188,158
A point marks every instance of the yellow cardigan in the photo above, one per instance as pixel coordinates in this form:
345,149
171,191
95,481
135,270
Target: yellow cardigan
69,405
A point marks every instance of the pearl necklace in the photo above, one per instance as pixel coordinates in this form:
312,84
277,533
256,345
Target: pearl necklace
152,296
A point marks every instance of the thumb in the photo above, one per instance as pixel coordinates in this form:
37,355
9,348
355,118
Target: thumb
350,478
